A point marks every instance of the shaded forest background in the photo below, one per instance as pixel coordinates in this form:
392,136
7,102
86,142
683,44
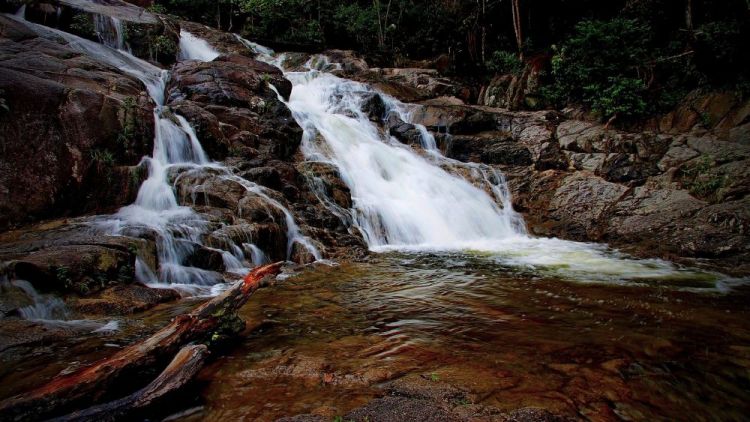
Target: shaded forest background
628,58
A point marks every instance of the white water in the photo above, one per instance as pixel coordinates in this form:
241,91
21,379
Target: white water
194,48
21,12
51,310
110,31
407,201
255,47
156,212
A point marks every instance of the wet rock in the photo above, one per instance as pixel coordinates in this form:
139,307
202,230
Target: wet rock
351,63
232,108
207,259
327,179
489,148
268,237
373,106
413,84
581,202
12,298
141,30
123,300
86,118
15,333
75,268
224,42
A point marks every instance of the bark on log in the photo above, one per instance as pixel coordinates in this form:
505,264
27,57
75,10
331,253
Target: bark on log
180,371
117,374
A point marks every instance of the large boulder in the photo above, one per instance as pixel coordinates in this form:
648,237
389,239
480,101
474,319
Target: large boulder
71,257
230,104
69,123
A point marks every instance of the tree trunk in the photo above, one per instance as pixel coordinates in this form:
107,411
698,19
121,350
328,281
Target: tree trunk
689,15
516,9
129,366
180,371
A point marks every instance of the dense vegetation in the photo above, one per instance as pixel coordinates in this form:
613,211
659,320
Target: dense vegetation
620,57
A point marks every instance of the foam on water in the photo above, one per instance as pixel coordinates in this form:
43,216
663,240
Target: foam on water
405,200
194,48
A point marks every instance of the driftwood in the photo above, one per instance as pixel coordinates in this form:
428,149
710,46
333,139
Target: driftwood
116,375
183,368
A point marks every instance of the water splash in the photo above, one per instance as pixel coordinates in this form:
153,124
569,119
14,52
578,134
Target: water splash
194,48
406,200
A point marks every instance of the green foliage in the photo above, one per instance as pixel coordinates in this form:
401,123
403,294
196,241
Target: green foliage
590,52
620,96
83,25
103,162
157,8
358,22
702,180
503,62
103,157
598,66
434,377
295,21
162,46
127,135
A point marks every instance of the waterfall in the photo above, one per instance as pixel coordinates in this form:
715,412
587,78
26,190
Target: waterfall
255,47
21,12
408,200
110,31
194,48
156,212
401,199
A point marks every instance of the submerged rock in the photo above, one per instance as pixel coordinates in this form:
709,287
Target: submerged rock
123,300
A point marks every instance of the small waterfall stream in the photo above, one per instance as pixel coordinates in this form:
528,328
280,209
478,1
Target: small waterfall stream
194,48
156,212
111,32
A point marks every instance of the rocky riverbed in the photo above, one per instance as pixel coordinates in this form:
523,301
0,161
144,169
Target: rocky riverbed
74,130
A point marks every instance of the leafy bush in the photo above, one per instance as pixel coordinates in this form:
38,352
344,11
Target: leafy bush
161,45
599,66
621,96
82,25
503,62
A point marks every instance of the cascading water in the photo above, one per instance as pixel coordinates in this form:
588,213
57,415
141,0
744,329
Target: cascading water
194,48
156,212
110,31
404,200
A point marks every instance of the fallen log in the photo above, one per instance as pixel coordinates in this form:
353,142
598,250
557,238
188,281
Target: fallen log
123,372
180,371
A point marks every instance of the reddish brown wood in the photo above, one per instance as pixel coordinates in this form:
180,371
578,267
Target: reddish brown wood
91,384
181,370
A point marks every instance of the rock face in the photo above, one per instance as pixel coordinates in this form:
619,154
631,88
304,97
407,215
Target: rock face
68,257
668,194
240,120
70,124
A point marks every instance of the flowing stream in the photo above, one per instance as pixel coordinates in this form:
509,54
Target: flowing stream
156,211
405,200
458,292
